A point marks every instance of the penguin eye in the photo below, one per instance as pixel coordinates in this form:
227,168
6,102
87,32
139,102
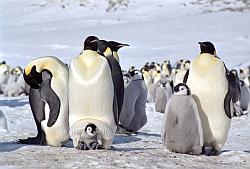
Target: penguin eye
182,88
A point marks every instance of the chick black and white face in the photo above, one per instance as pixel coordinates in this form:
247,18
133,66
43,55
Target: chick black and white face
90,130
181,89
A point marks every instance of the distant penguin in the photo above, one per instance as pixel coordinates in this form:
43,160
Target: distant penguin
212,89
180,77
13,89
115,46
99,78
166,68
4,76
163,95
148,81
3,122
48,97
244,96
133,115
182,128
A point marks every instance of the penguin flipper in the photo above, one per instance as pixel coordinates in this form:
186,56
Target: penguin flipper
186,77
50,97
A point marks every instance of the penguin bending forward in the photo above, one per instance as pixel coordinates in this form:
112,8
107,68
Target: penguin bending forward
48,97
182,128
94,82
214,89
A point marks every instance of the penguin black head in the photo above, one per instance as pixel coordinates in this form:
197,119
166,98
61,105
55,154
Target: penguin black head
207,47
34,79
3,62
115,46
91,43
90,129
102,46
181,89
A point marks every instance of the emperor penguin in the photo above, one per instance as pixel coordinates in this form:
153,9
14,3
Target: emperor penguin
213,88
3,122
4,75
244,96
148,81
99,79
115,46
182,128
163,94
48,96
166,68
133,115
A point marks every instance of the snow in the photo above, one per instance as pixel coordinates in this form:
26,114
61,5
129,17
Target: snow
156,30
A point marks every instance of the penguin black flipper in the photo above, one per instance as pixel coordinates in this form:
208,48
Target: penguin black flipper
50,97
117,78
186,77
37,109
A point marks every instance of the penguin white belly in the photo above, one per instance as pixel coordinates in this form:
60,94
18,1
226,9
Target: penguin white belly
209,90
58,134
91,92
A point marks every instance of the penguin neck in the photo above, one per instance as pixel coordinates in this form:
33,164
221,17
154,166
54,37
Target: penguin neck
115,54
108,52
205,59
88,56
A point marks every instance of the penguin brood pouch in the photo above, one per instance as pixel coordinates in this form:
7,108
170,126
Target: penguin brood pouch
182,128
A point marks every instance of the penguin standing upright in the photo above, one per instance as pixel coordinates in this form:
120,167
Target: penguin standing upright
94,81
182,128
163,94
48,97
211,87
133,115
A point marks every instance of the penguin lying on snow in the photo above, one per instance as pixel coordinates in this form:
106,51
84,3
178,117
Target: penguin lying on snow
48,97
182,128
133,115
99,77
214,89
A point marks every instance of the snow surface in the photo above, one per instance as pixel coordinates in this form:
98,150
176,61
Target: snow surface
137,151
156,30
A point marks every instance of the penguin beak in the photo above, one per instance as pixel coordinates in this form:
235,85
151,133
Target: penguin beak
122,45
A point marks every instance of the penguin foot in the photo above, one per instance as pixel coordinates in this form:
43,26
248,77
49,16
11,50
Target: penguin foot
95,146
213,152
203,150
32,140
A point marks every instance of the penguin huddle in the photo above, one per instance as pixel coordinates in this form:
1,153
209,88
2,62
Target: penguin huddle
93,99
12,83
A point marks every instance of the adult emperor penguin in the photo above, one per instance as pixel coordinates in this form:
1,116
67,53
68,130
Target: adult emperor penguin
182,128
99,79
212,87
115,46
48,97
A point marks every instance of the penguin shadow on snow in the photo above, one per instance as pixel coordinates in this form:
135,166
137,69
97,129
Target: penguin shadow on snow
14,102
149,134
123,139
10,146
